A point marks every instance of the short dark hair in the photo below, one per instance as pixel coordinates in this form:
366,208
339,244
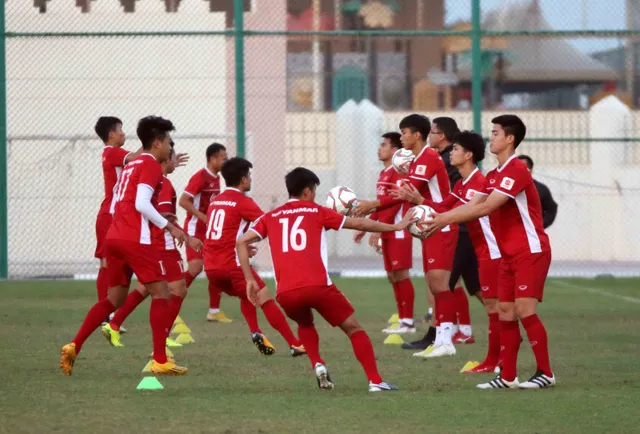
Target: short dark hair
527,160
234,169
299,179
472,142
394,139
105,125
153,128
512,126
213,150
417,124
448,126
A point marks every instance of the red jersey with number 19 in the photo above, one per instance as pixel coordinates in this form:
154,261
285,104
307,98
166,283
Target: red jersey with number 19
129,224
298,243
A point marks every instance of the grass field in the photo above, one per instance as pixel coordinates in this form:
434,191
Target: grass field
592,324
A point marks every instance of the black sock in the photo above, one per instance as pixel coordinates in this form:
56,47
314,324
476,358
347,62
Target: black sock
431,334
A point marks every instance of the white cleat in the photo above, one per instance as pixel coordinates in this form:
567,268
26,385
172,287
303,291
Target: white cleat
499,383
424,352
381,387
539,381
402,328
441,351
322,375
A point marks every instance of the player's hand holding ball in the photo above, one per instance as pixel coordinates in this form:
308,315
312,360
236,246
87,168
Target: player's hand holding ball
420,227
342,200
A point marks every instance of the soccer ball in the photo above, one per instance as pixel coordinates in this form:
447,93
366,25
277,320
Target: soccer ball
342,200
419,227
401,161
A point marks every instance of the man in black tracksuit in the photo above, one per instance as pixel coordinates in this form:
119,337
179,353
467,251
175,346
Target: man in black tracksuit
549,206
465,263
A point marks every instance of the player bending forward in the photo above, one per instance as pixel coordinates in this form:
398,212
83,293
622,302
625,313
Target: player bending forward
171,262
229,215
511,198
129,248
297,239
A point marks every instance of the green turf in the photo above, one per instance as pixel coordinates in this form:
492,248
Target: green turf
231,388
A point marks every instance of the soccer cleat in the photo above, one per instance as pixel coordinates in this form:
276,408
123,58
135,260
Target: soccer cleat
263,344
112,336
539,381
424,352
68,358
401,328
122,330
297,351
381,387
499,383
441,351
218,317
421,344
169,368
171,343
322,375
461,338
482,368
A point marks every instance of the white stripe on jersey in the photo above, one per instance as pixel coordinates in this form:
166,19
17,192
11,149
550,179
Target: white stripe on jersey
145,231
529,228
323,253
490,238
191,227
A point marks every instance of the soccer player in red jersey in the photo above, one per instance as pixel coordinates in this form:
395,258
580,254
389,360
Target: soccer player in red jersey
171,262
428,174
129,249
469,149
203,186
228,217
114,158
298,245
512,201
396,246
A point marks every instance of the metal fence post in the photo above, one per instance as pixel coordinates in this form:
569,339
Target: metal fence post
238,14
4,198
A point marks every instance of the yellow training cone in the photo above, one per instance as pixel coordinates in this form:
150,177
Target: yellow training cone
181,328
394,339
393,318
147,367
178,320
184,338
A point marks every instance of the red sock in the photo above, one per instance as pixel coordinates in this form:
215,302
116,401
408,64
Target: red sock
133,300
175,303
94,318
158,315
446,307
311,341
398,298
102,283
279,322
215,294
493,352
250,315
462,306
510,340
538,338
405,287
189,278
364,353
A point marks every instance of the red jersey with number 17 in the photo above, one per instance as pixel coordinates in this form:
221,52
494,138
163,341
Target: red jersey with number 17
228,217
128,223
167,200
112,163
298,243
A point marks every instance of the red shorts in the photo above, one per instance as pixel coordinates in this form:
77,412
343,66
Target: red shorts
103,221
489,271
397,253
172,265
523,277
328,301
128,257
438,251
232,281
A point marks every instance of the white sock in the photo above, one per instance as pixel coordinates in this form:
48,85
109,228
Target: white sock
466,330
111,315
407,321
455,329
438,340
214,311
446,328
430,311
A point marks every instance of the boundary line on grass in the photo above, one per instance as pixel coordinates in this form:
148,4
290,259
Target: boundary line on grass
598,291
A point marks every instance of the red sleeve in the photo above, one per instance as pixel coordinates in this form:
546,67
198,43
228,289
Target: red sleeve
165,198
116,156
195,185
250,210
389,201
374,215
260,226
513,180
151,174
331,219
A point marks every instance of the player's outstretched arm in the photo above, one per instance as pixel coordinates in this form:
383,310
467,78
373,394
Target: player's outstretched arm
242,247
369,225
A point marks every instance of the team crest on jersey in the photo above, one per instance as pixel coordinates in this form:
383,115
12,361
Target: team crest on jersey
507,183
399,182
421,169
492,181
470,194
381,191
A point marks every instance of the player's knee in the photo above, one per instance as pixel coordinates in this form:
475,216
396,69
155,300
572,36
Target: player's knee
507,311
178,288
391,277
117,296
438,281
195,267
350,325
525,307
491,305
263,296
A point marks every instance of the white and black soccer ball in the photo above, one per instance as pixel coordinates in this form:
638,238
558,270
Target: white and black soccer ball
419,227
401,161
342,199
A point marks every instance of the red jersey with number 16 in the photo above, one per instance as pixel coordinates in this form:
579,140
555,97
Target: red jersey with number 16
298,243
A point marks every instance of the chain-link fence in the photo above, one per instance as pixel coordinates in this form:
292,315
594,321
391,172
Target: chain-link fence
322,80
